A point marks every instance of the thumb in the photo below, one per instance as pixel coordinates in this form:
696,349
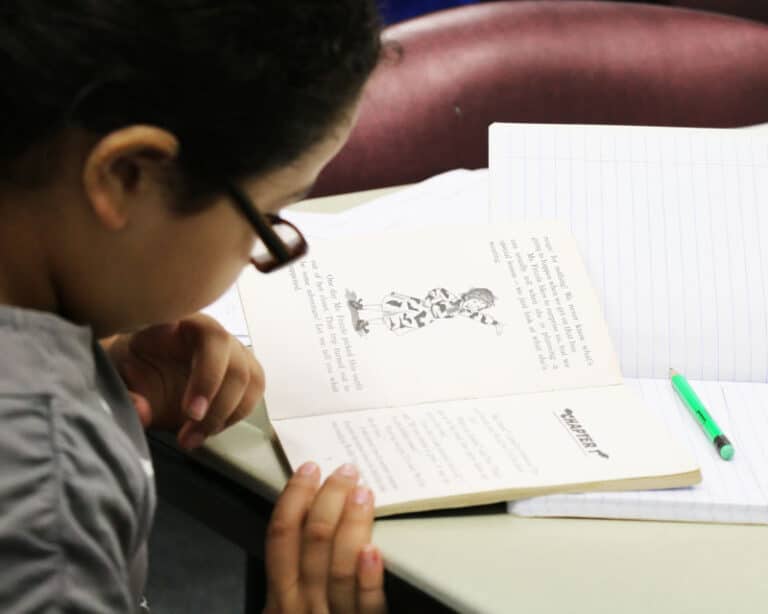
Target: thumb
142,407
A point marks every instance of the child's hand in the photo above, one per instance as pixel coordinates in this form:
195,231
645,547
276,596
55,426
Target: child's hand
191,376
318,554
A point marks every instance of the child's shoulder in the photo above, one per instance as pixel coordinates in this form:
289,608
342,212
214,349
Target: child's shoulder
58,400
40,350
70,480
53,373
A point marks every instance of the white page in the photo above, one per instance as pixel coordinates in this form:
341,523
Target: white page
315,225
480,448
757,128
542,331
730,491
433,200
455,197
673,226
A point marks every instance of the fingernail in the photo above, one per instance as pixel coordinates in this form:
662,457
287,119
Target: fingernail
361,495
370,555
194,440
197,408
347,470
307,469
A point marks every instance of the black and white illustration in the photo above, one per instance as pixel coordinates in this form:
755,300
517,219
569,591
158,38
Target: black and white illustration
402,313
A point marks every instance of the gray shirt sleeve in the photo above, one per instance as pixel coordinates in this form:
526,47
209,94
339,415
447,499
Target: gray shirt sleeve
69,495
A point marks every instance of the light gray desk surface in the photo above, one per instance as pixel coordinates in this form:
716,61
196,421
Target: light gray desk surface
503,564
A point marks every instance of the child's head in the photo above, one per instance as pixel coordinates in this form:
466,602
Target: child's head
122,124
477,299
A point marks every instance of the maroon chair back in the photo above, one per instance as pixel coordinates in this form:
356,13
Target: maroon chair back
428,105
750,9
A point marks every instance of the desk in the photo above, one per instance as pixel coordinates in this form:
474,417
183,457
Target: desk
483,560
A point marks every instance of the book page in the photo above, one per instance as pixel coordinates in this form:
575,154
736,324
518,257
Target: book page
433,315
730,491
445,197
486,450
674,230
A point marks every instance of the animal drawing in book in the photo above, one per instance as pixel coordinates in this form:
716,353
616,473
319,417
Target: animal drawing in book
403,313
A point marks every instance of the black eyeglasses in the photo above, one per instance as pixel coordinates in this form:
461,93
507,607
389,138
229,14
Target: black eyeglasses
278,242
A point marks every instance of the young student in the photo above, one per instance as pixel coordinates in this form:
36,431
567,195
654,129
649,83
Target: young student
146,147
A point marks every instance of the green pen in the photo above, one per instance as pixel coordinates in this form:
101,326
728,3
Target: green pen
694,404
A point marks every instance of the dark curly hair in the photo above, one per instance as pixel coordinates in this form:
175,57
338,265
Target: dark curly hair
245,85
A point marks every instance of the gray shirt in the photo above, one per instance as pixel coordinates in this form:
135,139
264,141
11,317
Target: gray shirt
76,483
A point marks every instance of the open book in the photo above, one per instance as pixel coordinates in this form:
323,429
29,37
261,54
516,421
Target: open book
453,367
673,226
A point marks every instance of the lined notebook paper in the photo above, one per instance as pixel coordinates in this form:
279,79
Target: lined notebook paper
673,224
735,491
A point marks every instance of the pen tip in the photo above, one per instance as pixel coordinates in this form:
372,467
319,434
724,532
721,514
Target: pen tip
672,373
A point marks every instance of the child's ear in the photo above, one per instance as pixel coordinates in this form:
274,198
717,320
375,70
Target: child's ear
123,165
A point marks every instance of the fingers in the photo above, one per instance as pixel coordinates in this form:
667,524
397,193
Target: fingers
318,554
370,582
320,532
225,383
143,408
195,376
284,538
225,401
254,390
210,349
353,533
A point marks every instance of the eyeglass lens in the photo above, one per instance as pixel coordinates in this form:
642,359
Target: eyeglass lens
265,260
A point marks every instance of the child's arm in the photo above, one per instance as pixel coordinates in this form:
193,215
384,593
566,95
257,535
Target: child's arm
318,552
191,376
